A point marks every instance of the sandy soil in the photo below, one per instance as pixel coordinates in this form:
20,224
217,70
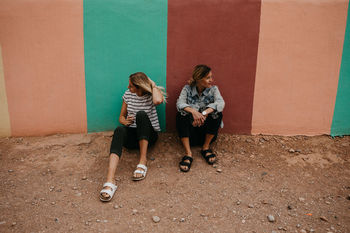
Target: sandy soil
51,184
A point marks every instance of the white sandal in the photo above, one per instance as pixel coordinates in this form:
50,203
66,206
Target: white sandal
110,191
143,172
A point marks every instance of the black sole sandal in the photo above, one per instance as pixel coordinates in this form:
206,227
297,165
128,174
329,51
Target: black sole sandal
207,157
187,164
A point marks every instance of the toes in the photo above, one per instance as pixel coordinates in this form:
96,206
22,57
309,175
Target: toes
105,195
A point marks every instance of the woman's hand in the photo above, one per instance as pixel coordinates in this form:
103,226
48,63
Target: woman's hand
127,121
198,118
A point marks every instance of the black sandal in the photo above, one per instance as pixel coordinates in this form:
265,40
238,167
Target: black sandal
187,164
207,157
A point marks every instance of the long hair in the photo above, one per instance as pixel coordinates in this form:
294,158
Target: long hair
140,80
199,72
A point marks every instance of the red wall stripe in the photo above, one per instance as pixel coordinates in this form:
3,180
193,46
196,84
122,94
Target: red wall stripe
224,36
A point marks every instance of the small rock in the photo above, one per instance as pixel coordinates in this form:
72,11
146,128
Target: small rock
75,188
174,219
98,220
182,219
323,218
280,228
243,221
219,170
264,174
271,218
116,207
134,211
152,158
238,202
78,194
289,207
87,223
327,202
274,232
56,220
84,178
215,166
156,219
348,197
53,203
13,224
303,231
291,150
105,220
10,170
251,206
2,222
312,230
301,199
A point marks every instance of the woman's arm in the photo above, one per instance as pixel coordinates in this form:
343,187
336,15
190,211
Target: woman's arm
122,117
157,96
218,104
181,104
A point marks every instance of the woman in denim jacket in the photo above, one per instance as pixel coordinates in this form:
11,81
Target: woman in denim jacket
199,115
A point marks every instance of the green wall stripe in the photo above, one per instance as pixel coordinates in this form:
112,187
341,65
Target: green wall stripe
120,38
341,116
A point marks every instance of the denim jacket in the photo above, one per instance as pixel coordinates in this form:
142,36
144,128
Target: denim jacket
210,98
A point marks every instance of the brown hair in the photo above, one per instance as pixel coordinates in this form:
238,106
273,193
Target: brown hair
199,72
140,80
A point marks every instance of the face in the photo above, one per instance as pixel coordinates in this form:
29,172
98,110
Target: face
134,89
206,81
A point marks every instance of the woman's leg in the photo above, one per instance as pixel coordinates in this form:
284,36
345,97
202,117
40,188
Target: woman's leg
115,153
211,131
146,136
183,126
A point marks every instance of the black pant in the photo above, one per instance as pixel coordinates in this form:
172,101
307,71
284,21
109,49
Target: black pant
197,134
130,137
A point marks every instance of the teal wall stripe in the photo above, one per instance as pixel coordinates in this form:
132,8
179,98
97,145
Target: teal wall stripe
341,117
120,38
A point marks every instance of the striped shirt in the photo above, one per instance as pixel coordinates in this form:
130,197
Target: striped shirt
137,103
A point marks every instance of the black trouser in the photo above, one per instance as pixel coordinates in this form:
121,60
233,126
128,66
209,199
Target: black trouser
197,134
130,137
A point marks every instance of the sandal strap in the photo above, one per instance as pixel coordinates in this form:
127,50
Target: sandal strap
204,152
142,167
187,164
210,156
139,172
111,185
187,158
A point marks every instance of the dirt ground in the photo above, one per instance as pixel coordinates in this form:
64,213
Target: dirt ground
52,184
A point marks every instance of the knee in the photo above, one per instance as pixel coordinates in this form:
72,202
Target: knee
119,130
141,114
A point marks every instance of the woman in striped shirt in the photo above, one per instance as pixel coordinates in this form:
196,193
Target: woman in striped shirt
140,125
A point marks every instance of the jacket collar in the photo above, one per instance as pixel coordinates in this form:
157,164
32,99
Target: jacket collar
195,92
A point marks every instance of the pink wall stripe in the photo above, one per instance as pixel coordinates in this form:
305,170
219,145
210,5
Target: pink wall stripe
43,55
299,56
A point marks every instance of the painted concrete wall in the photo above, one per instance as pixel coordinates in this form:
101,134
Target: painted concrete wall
283,67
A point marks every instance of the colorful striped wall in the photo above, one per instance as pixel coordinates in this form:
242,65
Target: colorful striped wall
283,67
